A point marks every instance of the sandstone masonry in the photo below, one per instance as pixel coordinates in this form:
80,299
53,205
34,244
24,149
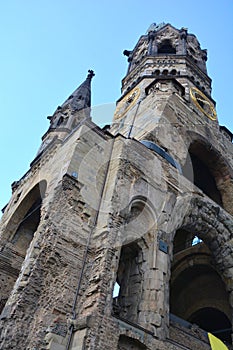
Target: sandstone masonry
121,237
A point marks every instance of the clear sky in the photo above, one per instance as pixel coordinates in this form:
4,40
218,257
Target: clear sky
47,46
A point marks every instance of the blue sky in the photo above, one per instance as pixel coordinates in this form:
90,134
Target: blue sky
47,46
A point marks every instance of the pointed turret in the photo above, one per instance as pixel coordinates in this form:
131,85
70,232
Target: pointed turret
81,97
73,112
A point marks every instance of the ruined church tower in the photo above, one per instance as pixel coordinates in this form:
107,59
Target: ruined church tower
120,237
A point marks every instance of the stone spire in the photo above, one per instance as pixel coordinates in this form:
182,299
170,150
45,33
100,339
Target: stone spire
81,97
74,111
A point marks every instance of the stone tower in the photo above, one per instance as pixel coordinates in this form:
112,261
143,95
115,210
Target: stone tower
121,237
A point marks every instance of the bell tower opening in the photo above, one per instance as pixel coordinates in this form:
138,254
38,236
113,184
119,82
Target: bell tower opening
166,47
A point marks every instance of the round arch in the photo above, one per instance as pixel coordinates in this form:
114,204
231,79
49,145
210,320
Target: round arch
201,275
213,320
196,287
206,167
210,223
18,235
28,203
139,220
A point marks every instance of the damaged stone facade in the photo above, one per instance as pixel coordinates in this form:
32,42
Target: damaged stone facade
143,207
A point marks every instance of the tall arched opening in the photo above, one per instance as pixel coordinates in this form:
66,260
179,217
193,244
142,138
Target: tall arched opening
199,168
207,169
197,292
19,234
137,234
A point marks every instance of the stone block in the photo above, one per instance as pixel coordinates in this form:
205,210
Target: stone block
78,340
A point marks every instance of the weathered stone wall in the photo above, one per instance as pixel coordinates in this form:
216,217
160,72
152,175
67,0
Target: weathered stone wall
51,271
45,290
173,122
78,245
109,211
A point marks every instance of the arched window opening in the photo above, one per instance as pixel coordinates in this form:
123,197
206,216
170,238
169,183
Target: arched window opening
166,47
27,228
214,321
173,72
165,72
184,239
27,217
22,227
200,167
128,283
60,121
204,179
